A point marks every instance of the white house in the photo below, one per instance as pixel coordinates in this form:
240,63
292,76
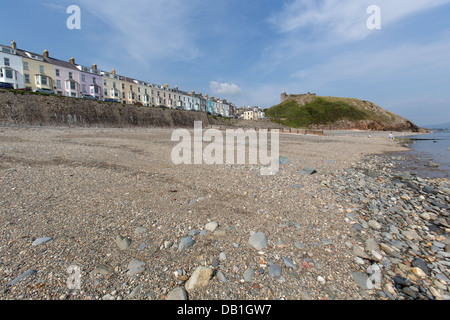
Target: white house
11,70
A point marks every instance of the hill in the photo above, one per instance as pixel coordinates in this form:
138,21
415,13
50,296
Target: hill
321,112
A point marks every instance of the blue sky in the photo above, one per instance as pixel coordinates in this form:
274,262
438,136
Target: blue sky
250,51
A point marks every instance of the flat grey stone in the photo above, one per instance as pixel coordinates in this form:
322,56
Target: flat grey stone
178,293
185,243
274,271
41,241
258,240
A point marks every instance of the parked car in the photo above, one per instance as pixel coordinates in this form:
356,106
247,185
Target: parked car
44,90
111,100
6,85
88,97
138,104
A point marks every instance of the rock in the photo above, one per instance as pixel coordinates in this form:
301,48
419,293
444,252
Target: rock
308,171
361,279
359,252
258,240
399,281
274,271
211,226
185,243
288,263
432,164
299,245
248,275
178,293
220,233
123,243
22,276
374,224
134,263
221,276
103,269
193,232
41,241
222,256
140,230
372,245
282,160
419,272
430,190
321,280
409,292
199,278
420,263
411,234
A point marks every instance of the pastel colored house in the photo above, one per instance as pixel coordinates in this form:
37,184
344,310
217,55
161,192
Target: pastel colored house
91,80
67,77
11,70
112,85
37,72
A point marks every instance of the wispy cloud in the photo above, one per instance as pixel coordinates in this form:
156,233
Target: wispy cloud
146,30
342,20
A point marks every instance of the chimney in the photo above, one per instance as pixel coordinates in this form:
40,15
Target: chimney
94,67
166,85
72,60
113,71
13,45
46,53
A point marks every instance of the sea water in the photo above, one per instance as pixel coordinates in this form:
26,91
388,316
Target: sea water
433,147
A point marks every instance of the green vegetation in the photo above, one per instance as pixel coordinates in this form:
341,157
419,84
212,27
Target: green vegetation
319,111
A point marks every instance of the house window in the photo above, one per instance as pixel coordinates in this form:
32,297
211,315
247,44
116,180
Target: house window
41,69
58,84
6,62
94,80
25,66
106,92
57,72
44,80
73,85
84,88
105,83
70,75
27,78
83,78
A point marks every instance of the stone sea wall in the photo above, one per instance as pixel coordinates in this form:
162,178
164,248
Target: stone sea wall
18,108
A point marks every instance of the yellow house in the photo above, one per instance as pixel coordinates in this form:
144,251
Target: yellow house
37,72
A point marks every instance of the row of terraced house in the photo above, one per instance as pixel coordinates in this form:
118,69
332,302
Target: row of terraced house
40,72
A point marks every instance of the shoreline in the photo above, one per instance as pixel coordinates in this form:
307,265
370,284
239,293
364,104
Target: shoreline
110,202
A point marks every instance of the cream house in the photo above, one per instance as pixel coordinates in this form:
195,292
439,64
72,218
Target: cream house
37,72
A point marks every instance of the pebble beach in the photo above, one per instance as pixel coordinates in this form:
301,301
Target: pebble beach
104,214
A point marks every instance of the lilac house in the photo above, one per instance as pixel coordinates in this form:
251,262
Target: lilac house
67,77
91,80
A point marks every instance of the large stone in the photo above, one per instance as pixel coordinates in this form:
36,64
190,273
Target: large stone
361,279
199,278
41,241
178,293
185,243
258,240
123,243
211,226
274,271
